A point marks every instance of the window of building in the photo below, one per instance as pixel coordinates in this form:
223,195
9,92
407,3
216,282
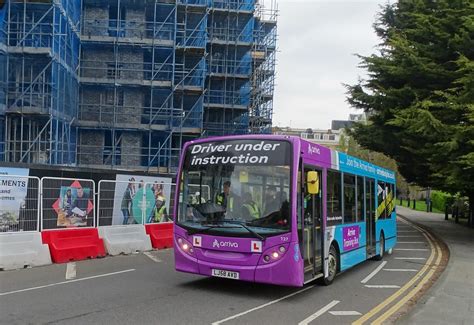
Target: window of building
360,199
114,97
334,204
111,154
349,198
114,70
332,137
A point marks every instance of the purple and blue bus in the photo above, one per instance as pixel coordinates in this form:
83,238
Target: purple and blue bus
279,210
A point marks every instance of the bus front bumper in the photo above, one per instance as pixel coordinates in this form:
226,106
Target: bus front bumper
285,272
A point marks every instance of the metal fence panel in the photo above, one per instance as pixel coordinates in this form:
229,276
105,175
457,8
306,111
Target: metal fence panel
67,202
132,202
111,200
19,203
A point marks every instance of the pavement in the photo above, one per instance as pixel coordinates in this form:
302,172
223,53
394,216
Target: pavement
451,299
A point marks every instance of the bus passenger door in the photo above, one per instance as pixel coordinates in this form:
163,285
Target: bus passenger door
312,232
370,216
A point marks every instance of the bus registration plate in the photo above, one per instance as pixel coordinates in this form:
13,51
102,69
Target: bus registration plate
225,274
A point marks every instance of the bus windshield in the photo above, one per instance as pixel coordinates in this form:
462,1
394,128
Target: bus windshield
238,188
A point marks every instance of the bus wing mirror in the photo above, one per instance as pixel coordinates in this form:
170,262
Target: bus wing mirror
313,182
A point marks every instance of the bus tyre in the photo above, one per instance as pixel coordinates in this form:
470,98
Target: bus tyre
333,266
379,257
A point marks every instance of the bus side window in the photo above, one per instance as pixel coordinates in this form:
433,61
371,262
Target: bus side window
360,199
334,204
349,198
381,200
369,197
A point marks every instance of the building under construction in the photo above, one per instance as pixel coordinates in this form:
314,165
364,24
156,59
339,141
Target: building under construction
124,83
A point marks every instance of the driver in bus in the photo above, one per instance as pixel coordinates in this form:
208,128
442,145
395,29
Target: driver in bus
250,209
227,199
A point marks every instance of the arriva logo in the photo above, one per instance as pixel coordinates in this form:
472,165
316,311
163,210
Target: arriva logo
313,150
220,244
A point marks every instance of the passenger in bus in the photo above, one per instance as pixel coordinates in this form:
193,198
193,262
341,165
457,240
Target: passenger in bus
227,199
272,202
250,209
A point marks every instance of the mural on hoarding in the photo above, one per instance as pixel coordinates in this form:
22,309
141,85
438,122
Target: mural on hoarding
74,205
141,198
13,192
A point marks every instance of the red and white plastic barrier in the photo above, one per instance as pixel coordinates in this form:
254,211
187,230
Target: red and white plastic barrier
22,249
161,234
68,245
125,239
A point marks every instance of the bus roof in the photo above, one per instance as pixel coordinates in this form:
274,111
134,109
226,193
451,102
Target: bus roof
320,154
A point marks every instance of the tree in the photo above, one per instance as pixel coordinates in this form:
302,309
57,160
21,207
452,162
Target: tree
419,93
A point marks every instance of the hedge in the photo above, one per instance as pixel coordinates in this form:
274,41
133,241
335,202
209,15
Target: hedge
439,199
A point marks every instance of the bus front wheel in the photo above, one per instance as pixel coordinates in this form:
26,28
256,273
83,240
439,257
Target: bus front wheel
333,266
379,257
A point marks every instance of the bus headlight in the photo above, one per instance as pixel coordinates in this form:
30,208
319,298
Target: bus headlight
185,246
273,254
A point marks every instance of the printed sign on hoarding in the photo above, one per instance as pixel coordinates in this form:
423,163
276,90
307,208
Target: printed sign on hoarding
141,197
13,193
74,205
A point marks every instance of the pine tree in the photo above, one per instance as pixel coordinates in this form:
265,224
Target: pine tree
419,93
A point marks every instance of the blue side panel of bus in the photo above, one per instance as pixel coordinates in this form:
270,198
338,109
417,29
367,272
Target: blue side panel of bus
389,228
360,167
358,253
350,256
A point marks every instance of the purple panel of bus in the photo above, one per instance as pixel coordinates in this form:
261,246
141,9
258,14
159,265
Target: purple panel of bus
279,210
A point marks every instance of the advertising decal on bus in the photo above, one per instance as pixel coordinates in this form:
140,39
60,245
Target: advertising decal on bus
350,237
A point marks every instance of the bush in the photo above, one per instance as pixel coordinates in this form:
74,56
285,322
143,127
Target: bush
440,199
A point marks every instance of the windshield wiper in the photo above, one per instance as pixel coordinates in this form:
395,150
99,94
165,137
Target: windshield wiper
204,230
243,225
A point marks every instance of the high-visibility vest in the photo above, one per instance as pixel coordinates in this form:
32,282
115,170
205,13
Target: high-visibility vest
253,210
229,204
159,213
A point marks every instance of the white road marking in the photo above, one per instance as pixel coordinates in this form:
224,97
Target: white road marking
262,306
374,272
382,286
345,313
400,270
411,242
410,258
70,270
411,249
153,258
409,236
65,282
319,312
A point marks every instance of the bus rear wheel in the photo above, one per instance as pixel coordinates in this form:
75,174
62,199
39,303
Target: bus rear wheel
379,257
333,266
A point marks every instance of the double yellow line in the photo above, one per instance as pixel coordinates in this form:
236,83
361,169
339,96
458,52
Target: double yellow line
423,276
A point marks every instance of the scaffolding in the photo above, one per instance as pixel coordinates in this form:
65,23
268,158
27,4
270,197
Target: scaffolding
123,83
42,58
142,81
264,60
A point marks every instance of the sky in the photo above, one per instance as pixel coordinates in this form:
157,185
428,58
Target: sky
317,43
